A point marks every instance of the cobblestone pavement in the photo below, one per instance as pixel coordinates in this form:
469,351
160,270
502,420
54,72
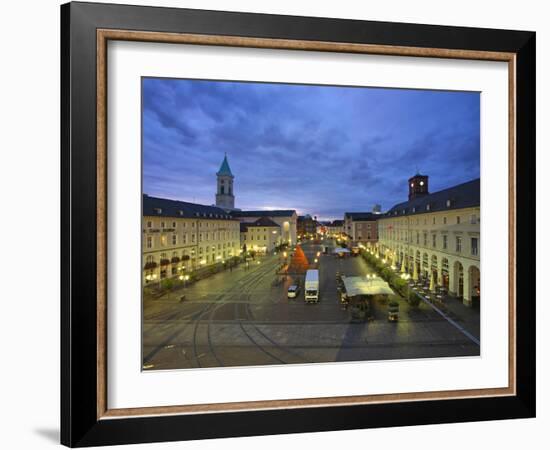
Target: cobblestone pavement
240,318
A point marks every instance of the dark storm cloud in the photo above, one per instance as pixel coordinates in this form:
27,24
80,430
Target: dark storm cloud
318,149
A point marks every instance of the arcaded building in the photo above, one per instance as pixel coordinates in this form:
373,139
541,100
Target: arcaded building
439,233
180,237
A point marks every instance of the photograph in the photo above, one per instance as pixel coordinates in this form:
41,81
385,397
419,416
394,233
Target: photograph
298,223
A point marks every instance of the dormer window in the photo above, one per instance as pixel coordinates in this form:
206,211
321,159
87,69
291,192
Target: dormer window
180,212
428,207
414,209
448,203
158,210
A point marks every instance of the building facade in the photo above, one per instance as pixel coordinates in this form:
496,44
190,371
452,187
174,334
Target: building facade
180,238
262,235
335,228
361,227
306,226
285,218
439,233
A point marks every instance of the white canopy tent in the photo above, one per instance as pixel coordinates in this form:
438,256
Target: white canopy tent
341,250
366,286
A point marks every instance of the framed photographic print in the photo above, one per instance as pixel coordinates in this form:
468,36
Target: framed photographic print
277,224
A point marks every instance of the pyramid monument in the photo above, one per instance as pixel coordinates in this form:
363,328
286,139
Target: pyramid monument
299,262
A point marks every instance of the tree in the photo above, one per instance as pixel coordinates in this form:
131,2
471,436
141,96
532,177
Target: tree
299,262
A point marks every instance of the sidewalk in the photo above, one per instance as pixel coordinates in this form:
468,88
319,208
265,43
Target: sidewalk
467,317
216,281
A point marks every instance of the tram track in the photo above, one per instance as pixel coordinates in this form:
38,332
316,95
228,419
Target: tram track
196,318
257,276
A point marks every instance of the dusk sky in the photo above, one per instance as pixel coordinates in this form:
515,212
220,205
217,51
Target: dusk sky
321,150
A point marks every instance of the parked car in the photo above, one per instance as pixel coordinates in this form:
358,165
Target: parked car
293,291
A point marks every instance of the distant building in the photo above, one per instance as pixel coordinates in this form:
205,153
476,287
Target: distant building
361,227
336,227
181,237
322,227
285,218
439,233
262,235
306,225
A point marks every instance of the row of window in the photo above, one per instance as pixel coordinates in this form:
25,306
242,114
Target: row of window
163,240
174,225
359,238
473,219
474,243
257,238
428,207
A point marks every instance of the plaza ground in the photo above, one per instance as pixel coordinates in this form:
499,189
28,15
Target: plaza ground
241,317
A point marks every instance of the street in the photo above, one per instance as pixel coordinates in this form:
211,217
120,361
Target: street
241,317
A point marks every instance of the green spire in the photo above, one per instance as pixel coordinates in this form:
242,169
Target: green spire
224,168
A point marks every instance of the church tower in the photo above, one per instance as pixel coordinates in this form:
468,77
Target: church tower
224,194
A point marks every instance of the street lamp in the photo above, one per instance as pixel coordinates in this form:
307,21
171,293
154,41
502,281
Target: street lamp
184,278
154,277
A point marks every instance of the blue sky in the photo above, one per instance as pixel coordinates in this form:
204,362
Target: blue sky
322,150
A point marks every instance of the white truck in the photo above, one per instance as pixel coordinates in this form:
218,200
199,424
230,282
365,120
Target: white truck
311,287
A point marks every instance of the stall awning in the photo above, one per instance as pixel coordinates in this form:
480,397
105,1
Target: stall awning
341,250
366,286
